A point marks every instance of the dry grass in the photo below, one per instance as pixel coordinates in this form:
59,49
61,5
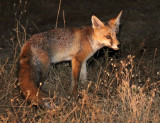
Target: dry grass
121,91
116,96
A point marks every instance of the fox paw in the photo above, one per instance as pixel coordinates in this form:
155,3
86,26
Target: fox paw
49,105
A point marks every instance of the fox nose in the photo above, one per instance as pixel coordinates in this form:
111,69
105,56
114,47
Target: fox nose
119,46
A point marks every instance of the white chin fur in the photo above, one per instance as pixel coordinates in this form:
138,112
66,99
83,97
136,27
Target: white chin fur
114,47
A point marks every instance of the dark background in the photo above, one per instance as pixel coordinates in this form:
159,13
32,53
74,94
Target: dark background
140,22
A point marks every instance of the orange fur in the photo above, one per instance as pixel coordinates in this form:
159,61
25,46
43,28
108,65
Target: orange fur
27,86
74,44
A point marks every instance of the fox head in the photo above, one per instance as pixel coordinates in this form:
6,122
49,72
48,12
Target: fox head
105,35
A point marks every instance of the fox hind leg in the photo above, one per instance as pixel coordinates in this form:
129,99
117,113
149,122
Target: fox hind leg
41,64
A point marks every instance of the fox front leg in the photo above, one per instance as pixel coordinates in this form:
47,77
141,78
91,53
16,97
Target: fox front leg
83,73
76,66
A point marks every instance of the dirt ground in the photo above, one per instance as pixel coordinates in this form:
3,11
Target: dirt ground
139,30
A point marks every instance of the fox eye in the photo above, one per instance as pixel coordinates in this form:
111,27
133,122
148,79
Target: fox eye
108,37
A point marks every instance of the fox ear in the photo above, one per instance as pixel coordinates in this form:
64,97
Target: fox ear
96,23
116,21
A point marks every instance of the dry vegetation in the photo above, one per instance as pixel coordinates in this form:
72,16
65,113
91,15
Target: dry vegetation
121,88
117,95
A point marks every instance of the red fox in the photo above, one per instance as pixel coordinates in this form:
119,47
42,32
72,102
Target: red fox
63,44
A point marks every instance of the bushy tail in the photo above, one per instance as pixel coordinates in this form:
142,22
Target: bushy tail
27,74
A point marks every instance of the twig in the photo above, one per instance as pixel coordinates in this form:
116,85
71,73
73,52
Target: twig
66,117
18,22
58,13
35,26
4,64
8,91
64,19
18,37
15,59
155,52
